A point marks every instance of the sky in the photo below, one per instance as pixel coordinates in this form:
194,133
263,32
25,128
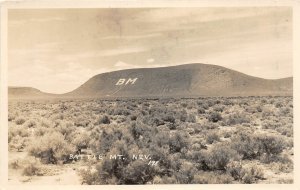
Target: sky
57,50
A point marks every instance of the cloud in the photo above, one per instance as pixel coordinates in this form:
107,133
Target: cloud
123,65
151,60
110,52
45,51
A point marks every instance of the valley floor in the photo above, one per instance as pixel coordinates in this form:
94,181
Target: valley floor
192,141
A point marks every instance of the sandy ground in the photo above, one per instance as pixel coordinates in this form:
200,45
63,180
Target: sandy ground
64,175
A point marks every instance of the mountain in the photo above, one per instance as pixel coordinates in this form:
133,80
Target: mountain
182,80
189,80
27,93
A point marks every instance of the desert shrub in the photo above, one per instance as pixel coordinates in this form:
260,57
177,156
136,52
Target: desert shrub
191,118
252,174
190,131
81,121
18,131
158,180
120,171
212,137
14,164
237,118
270,144
285,130
249,174
236,170
65,128
279,167
17,143
227,134
103,120
137,129
11,116
285,181
121,111
227,102
40,131
199,158
259,108
186,173
162,138
178,141
252,146
212,178
169,118
218,108
214,117
138,172
184,104
201,110
219,156
270,124
133,117
81,140
264,101
251,109
196,146
20,121
31,169
28,166
289,142
30,123
183,116
278,104
107,139
205,106
51,148
197,128
246,145
169,179
269,111
121,119
209,125
45,123
153,120
89,177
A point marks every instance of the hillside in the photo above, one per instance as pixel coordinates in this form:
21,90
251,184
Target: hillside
190,80
27,93
183,80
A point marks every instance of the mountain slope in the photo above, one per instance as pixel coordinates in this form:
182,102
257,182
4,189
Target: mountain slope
190,80
27,93
182,80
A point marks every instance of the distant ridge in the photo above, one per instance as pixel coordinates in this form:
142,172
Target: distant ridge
189,80
27,93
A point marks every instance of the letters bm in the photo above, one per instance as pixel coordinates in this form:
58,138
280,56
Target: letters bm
123,81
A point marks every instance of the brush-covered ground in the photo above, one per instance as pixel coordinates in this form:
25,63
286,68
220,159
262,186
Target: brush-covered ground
151,141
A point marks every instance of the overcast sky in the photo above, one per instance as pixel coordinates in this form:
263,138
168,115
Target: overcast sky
57,50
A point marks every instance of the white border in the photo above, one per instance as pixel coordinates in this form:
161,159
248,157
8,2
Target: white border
135,4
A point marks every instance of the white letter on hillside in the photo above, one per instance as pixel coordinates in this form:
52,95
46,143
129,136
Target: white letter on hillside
120,82
132,81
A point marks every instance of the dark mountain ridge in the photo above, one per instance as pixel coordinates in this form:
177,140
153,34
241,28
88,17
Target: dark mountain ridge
189,80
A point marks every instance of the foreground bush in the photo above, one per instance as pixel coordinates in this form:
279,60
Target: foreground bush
31,169
215,117
219,156
246,145
251,146
51,148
